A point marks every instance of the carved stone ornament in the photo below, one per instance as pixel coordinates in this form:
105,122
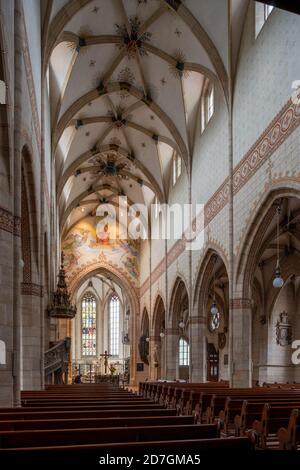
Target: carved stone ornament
126,339
144,349
60,305
221,340
283,330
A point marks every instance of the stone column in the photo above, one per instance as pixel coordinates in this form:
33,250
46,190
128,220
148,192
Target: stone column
133,347
153,340
7,235
197,349
17,303
77,321
171,340
296,328
7,379
241,336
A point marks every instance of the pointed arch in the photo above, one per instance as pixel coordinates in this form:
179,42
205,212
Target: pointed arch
158,320
179,303
254,241
145,323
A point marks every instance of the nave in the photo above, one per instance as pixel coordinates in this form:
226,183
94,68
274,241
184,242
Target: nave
86,423
149,232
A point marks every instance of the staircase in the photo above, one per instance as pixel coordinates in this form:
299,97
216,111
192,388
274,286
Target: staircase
57,361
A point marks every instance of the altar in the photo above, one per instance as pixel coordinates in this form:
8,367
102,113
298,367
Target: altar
102,369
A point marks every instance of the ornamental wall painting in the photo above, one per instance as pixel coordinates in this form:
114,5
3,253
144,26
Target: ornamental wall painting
86,244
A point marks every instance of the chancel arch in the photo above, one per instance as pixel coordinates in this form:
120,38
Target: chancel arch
111,308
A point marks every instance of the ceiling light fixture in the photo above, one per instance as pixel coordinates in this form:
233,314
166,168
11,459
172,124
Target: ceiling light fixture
214,309
278,281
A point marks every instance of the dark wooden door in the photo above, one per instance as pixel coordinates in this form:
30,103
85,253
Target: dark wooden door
212,363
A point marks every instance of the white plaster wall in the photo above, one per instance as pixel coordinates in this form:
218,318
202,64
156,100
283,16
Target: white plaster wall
266,69
207,13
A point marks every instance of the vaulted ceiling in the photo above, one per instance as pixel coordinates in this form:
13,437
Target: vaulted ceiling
125,80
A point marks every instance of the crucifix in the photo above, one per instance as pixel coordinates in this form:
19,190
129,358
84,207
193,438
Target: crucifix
106,356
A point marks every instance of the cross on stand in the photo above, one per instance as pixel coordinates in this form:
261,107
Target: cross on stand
106,356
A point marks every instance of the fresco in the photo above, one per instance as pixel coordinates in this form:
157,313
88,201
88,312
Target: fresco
83,246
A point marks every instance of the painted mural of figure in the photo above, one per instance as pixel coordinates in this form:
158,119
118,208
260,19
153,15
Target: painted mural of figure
76,239
103,237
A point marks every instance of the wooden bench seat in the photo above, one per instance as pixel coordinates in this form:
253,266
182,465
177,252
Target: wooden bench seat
70,407
77,423
289,437
274,417
60,437
79,413
269,422
82,453
85,402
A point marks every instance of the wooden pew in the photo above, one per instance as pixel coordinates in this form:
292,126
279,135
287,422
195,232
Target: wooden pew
64,437
250,412
77,423
79,413
81,454
289,438
69,407
84,402
234,404
273,417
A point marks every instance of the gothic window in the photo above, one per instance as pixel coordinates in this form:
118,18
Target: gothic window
2,353
184,352
2,92
262,13
88,325
156,207
177,167
207,106
114,318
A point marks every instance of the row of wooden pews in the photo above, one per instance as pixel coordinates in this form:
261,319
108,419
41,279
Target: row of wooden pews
85,420
268,415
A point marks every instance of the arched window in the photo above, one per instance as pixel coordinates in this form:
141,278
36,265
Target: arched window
114,314
184,352
88,325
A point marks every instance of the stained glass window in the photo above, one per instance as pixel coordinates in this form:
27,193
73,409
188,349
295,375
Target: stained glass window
184,352
114,314
88,325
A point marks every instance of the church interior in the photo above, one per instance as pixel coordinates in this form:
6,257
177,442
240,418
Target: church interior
149,227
